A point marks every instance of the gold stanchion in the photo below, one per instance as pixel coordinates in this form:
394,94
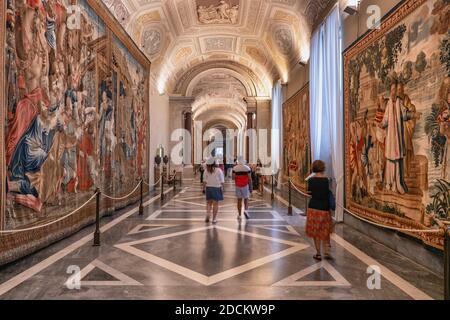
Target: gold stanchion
272,196
97,220
141,204
447,264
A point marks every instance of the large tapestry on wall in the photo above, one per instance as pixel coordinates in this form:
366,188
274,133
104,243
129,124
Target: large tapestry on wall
397,120
296,138
75,110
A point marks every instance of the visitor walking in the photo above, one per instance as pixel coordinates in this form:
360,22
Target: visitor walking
202,170
243,183
261,178
213,184
254,177
318,221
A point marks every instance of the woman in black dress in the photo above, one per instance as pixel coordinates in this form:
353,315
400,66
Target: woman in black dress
318,221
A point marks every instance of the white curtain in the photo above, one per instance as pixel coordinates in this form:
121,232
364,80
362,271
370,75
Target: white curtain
277,103
326,101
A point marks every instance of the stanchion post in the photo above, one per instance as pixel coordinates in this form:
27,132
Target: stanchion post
97,219
272,196
447,264
162,187
263,178
290,198
141,203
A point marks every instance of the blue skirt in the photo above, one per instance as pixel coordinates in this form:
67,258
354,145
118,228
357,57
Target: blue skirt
214,194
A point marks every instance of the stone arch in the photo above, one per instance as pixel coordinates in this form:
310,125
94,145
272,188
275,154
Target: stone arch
256,85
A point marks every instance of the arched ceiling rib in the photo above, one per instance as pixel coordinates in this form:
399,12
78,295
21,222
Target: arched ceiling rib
266,36
218,111
257,87
217,123
220,75
211,117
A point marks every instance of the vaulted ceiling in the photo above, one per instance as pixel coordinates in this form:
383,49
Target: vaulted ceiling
242,44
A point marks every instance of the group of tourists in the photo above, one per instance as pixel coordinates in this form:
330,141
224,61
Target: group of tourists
213,179
319,224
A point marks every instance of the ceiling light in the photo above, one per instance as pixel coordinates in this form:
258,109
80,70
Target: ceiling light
351,10
352,7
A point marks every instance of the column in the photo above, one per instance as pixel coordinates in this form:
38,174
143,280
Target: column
187,153
264,125
251,124
247,138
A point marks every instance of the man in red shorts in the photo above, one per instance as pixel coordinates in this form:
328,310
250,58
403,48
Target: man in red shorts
242,175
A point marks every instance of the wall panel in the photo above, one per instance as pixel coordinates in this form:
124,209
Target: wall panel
296,138
397,85
74,112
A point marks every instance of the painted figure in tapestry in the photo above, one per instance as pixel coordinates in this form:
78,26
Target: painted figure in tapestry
45,60
398,138
61,129
398,121
296,138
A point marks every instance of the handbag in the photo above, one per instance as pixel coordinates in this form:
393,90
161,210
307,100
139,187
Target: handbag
331,201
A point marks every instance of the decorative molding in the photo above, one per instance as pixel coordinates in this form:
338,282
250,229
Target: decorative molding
151,41
314,9
256,54
212,44
184,80
255,18
110,21
120,11
224,12
283,38
2,115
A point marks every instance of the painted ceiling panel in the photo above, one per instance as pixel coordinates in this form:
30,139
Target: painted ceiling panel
270,36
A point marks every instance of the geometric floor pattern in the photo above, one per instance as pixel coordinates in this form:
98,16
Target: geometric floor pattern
171,253
118,278
296,279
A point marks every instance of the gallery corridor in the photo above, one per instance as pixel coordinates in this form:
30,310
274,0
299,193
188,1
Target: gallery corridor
170,253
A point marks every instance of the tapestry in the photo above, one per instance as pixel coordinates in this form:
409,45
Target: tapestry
75,110
296,138
397,120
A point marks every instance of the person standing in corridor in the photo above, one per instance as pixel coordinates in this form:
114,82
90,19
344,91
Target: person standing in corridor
213,186
319,222
242,175
202,170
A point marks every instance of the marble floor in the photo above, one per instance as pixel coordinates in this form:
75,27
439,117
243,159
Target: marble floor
171,253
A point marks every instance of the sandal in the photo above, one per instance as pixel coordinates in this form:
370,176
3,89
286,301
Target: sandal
327,256
318,257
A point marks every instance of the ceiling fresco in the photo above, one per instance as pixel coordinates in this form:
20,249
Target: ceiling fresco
267,37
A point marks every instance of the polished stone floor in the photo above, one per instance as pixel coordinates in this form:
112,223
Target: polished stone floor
171,253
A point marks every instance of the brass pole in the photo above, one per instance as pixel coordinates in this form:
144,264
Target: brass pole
273,188
447,265
97,219
141,204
